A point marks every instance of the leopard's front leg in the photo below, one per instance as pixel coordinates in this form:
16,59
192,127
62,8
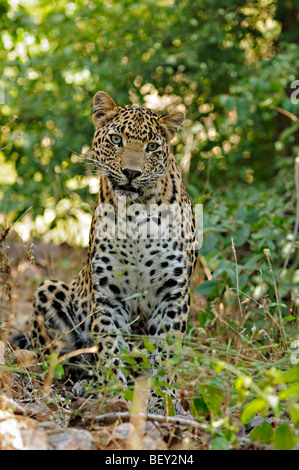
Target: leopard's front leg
167,322
110,329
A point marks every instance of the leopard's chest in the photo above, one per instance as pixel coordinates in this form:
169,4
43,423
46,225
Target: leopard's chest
138,271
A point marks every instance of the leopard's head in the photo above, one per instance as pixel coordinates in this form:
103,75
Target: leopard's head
131,143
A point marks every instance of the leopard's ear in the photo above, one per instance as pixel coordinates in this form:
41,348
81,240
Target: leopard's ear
172,122
103,108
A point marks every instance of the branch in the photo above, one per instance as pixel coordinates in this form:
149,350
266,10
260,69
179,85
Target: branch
126,416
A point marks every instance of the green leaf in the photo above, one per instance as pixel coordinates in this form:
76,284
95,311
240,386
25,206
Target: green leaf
243,280
131,361
290,376
262,433
149,346
128,394
241,236
212,397
207,287
219,443
169,405
58,372
284,439
294,413
210,245
293,390
251,409
202,318
198,407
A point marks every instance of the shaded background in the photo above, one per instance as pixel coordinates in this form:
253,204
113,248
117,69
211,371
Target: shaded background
233,68
229,65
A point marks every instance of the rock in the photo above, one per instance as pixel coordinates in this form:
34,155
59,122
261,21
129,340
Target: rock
72,439
34,439
10,435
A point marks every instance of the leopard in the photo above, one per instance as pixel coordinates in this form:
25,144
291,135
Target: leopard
134,282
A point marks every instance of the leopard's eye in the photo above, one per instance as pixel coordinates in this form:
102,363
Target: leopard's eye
116,139
152,146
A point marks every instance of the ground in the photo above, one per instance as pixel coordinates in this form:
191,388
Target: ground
38,411
32,418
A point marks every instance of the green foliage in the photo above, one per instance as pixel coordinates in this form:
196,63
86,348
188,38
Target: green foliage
284,438
227,65
219,443
263,433
52,363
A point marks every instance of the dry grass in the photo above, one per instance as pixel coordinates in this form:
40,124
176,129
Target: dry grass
214,366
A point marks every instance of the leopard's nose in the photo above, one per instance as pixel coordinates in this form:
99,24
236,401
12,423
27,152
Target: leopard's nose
131,173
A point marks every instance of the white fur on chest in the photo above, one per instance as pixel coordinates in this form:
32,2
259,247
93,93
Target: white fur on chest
138,269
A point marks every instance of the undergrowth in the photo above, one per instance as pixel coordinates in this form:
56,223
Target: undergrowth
231,369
